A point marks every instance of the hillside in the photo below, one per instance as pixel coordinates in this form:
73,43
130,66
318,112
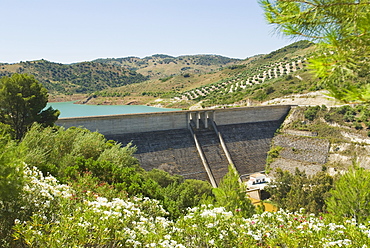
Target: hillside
259,78
315,139
83,77
181,82
162,66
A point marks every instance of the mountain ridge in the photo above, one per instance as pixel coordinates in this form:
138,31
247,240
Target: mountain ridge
162,65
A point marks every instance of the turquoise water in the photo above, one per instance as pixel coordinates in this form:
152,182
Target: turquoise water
68,109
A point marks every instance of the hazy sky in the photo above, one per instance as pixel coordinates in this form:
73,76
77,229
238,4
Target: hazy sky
69,31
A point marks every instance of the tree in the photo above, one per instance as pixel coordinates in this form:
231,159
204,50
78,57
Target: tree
179,197
342,32
295,191
22,100
232,195
350,197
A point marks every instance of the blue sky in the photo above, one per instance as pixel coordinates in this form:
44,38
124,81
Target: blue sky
68,31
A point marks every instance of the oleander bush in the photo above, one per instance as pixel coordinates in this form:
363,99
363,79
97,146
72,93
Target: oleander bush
91,220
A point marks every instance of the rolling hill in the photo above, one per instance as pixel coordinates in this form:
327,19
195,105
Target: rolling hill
180,82
162,66
258,78
85,77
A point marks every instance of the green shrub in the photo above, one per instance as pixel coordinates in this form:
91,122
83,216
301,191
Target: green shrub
272,155
55,149
328,117
349,116
11,186
344,109
350,196
269,90
296,191
311,112
357,126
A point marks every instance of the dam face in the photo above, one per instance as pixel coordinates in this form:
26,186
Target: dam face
195,144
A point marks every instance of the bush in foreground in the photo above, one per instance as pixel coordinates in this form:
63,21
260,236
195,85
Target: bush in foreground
90,220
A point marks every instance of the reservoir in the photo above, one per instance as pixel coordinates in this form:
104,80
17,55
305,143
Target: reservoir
68,109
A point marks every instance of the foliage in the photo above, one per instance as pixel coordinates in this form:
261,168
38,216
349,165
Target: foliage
153,93
122,178
342,31
295,191
274,153
193,60
330,122
105,93
22,100
271,156
11,184
163,67
350,197
233,67
311,112
178,198
176,194
10,171
56,150
166,78
231,195
349,116
163,178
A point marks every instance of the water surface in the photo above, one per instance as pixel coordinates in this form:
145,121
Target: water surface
68,109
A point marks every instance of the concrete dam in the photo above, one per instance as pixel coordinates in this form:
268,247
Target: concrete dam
197,144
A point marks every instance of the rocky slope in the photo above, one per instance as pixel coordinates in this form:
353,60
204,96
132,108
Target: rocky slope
321,144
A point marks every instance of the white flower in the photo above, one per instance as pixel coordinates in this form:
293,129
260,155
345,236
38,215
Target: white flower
210,225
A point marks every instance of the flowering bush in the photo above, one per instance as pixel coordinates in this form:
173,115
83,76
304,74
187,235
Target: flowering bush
79,222
214,227
95,221
208,226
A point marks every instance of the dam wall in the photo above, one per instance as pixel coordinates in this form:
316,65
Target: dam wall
160,121
173,151
164,140
248,144
250,114
129,123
